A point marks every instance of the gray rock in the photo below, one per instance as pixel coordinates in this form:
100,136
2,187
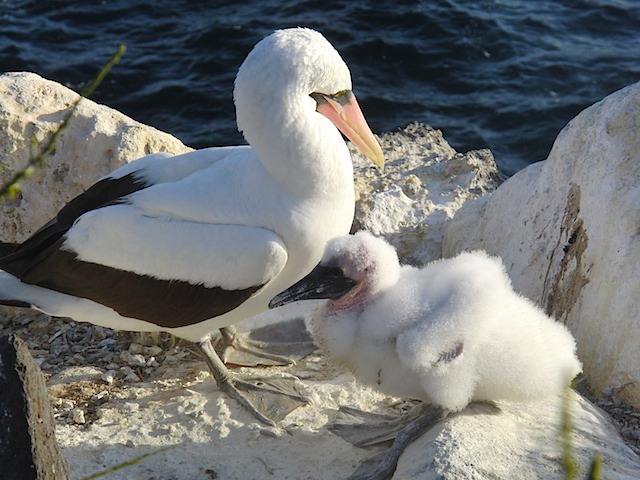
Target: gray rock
424,183
519,442
28,447
97,141
568,232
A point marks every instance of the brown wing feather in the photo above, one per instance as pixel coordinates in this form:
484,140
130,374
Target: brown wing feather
167,303
17,259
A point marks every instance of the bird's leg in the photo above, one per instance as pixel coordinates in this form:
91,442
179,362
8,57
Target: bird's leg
279,344
270,399
382,465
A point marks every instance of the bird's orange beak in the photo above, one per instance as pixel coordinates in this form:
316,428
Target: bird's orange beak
344,112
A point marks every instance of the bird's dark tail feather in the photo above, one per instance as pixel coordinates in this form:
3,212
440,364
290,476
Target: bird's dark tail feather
15,303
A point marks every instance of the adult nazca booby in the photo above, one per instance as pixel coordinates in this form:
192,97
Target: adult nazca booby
190,243
448,334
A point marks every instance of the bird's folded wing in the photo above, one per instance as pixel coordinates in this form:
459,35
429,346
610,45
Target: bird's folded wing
427,346
140,174
214,255
166,271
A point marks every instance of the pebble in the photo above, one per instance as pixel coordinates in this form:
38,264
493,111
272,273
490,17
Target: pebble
101,397
135,348
132,377
109,376
78,416
171,359
99,332
152,351
107,342
152,362
135,360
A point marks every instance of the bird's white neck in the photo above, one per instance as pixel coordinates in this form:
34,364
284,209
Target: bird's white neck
298,146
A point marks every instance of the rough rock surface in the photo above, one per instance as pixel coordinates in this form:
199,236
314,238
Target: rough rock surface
98,140
424,183
526,439
28,447
115,400
106,416
568,230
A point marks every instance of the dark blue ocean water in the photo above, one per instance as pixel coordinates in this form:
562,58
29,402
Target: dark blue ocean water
502,74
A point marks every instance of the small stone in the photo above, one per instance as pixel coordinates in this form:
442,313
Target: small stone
132,377
68,404
136,348
107,342
171,359
78,416
109,376
314,367
152,351
101,397
98,332
135,360
152,362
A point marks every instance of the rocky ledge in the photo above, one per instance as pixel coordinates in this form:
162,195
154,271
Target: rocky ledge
566,227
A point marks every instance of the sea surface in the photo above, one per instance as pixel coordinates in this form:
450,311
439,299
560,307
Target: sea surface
500,74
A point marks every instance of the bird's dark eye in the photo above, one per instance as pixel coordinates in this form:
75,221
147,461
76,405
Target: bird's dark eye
343,97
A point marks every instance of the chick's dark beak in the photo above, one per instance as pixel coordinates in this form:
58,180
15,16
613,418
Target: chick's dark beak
322,282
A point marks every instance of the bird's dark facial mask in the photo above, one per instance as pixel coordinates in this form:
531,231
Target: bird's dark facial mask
321,283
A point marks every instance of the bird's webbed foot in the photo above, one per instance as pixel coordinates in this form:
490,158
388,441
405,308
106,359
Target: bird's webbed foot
404,430
282,343
267,399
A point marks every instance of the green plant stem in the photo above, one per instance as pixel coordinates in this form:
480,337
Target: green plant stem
568,462
10,188
127,464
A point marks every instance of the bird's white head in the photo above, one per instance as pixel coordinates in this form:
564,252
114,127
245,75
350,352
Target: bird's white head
295,60
353,271
288,77
367,259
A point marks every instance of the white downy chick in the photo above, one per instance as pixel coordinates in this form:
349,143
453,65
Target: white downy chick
450,333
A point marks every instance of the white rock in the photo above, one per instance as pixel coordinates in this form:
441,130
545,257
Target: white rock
98,140
568,230
135,360
78,416
423,184
109,376
519,441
